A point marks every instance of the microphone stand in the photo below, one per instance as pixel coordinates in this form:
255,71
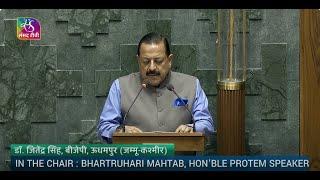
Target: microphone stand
171,88
125,116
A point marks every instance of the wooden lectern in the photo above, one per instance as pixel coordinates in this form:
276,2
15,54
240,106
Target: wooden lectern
184,142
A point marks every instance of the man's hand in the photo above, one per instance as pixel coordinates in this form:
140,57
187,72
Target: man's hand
130,129
184,129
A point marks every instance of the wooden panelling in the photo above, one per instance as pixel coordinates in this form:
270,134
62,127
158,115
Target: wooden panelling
310,86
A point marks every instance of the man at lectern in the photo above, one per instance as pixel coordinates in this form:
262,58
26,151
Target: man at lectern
156,98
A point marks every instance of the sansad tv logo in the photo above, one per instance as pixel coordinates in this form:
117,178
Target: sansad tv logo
28,28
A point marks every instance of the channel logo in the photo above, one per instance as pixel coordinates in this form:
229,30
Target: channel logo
28,28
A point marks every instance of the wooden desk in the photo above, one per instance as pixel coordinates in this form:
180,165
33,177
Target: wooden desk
183,141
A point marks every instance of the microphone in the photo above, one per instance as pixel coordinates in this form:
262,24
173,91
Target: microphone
143,86
171,88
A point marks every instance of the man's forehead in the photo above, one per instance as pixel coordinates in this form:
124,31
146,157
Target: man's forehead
152,50
152,57
154,45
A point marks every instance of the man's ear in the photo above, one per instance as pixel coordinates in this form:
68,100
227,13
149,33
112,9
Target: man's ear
170,58
137,56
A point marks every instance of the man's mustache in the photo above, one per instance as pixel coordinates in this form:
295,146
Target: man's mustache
153,73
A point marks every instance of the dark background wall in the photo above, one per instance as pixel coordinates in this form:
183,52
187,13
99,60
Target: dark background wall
53,90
